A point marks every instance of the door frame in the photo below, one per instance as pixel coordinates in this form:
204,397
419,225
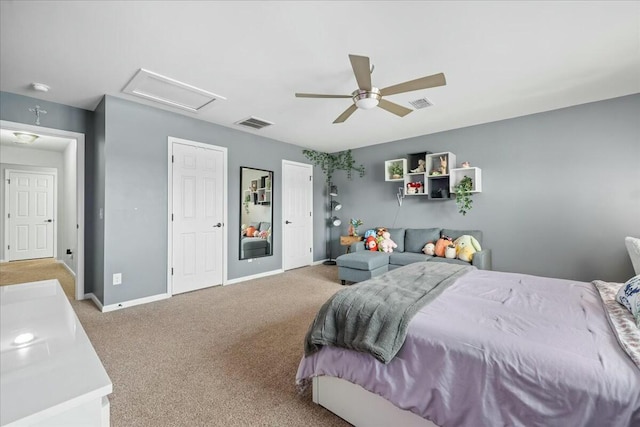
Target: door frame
225,238
282,188
80,184
7,207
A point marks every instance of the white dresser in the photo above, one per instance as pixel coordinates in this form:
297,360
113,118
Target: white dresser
50,373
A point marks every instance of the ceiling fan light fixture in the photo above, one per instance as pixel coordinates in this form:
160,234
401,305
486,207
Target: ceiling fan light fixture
366,99
25,138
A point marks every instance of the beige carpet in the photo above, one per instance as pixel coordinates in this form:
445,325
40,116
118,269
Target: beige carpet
15,272
223,356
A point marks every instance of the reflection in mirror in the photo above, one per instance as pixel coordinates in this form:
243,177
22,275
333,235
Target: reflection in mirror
256,213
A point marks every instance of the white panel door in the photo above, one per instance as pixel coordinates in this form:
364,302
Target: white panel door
31,215
198,212
297,217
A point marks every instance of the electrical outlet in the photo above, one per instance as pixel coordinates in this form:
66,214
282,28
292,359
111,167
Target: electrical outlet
117,279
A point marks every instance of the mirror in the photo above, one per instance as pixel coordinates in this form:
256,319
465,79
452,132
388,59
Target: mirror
256,213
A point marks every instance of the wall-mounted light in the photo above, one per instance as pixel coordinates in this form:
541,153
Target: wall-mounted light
335,221
333,191
336,205
25,138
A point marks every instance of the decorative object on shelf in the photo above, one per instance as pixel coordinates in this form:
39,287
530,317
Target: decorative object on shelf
463,195
421,166
329,163
466,165
443,165
353,226
414,187
396,171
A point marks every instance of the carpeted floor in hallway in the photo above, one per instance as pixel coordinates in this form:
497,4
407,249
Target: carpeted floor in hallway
15,272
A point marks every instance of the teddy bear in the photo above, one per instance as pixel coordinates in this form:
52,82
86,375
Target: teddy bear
429,249
421,166
387,245
371,243
466,246
441,245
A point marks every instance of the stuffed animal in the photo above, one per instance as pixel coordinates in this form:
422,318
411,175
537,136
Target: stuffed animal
421,166
429,249
369,233
441,245
387,245
381,230
371,243
250,231
466,246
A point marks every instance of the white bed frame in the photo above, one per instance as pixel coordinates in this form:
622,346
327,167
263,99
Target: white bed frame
360,407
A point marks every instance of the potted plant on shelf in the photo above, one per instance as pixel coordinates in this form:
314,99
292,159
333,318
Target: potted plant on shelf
396,171
463,194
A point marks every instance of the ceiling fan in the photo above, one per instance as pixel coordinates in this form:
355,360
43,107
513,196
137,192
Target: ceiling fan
367,96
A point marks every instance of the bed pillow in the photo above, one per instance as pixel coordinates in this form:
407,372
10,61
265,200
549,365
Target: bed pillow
629,296
633,247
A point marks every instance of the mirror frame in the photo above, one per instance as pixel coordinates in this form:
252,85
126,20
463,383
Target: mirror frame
256,191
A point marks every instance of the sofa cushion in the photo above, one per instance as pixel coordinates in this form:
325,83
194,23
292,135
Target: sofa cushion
454,234
363,260
416,238
397,235
407,258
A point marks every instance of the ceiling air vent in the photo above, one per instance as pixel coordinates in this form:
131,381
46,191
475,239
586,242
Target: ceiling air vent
421,103
155,87
254,122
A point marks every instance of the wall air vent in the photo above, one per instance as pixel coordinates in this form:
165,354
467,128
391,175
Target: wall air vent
421,103
254,122
157,88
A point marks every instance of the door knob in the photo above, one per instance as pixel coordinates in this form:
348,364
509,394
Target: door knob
288,222
48,220
218,225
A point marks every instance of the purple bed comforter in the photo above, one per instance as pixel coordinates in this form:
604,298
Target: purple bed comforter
502,349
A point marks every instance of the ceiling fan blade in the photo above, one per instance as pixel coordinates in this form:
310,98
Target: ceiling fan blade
417,84
344,116
394,108
362,70
317,95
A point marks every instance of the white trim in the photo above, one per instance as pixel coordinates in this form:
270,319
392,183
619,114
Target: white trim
59,261
254,276
36,170
80,201
95,300
361,407
320,262
282,189
225,208
133,302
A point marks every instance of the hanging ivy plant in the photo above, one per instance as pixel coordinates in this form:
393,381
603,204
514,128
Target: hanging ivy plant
329,163
245,203
463,195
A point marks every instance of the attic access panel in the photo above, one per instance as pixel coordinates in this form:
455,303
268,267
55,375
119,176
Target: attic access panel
165,90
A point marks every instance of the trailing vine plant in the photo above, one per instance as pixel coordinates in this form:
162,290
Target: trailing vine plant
329,163
463,195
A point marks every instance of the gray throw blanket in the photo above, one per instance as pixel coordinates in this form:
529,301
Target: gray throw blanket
372,316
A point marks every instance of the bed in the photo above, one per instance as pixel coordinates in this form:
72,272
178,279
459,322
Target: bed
492,348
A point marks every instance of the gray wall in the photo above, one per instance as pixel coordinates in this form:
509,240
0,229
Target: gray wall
15,108
561,189
135,200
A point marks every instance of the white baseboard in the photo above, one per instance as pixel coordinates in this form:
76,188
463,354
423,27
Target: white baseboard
319,262
254,276
131,303
2,260
95,300
59,261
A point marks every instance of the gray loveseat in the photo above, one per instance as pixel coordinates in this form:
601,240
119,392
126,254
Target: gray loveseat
361,264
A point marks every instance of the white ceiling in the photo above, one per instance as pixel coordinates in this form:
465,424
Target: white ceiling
501,59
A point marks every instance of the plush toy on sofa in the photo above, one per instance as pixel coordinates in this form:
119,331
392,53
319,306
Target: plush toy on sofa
387,245
441,245
466,246
371,243
429,249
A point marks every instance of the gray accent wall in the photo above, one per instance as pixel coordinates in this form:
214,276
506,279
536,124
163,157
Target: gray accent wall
136,194
561,189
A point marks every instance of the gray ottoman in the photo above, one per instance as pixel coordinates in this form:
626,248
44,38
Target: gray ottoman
361,265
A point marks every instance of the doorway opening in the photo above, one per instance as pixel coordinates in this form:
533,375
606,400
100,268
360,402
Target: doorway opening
62,152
